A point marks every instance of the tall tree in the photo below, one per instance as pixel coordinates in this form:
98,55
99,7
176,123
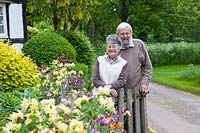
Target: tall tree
152,20
64,14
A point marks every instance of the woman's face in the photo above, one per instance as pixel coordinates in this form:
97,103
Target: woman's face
112,50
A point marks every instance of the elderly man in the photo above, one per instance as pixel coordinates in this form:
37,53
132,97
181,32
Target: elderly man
139,64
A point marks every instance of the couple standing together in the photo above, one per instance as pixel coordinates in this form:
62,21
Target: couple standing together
126,63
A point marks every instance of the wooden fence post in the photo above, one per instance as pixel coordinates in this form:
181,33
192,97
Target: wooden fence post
137,112
140,110
121,105
129,106
143,114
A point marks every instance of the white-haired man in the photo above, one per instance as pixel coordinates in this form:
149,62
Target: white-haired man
139,64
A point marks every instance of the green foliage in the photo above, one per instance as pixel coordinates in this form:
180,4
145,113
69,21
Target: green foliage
152,20
84,68
31,31
16,70
10,102
174,53
100,48
84,49
38,27
44,47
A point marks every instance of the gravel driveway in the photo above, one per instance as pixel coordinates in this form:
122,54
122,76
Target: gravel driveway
172,111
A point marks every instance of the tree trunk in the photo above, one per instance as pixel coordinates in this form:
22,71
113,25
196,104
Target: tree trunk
124,10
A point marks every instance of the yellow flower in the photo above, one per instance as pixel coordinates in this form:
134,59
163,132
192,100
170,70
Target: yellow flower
108,119
106,102
16,126
103,91
65,109
49,102
62,127
28,119
75,92
25,104
16,116
50,110
76,111
111,127
80,72
127,113
76,126
80,100
119,124
40,126
34,104
47,130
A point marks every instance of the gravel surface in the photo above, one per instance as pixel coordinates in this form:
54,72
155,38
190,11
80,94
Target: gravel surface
172,111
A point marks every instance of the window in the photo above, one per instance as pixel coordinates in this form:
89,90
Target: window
3,25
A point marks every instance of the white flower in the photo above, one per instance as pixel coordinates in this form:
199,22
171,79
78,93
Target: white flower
72,72
8,128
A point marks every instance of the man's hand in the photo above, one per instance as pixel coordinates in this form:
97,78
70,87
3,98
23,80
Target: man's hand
113,92
143,89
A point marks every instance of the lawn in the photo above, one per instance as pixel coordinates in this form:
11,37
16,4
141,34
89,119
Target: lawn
169,75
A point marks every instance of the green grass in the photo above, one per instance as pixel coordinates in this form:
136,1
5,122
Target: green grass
169,75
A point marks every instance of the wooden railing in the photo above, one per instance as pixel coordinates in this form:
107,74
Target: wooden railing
140,111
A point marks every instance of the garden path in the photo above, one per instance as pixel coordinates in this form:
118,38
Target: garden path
172,111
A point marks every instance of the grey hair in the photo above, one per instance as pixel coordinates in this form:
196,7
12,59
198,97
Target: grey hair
113,38
123,25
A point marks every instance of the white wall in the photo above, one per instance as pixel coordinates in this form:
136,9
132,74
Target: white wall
16,21
18,46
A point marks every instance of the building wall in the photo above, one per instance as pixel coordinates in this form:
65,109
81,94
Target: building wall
16,21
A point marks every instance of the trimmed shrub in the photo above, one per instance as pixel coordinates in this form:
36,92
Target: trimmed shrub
16,70
84,48
44,47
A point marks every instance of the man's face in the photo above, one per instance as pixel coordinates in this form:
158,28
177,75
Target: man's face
126,36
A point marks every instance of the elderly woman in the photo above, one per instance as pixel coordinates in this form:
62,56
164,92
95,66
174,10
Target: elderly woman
110,69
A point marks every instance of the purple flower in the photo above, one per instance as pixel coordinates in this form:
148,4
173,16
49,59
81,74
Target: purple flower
97,121
112,120
124,131
95,131
122,111
91,96
65,101
104,122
